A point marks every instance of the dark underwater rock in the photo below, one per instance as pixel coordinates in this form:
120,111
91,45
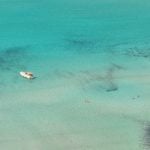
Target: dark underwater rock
142,51
81,44
112,87
12,58
147,136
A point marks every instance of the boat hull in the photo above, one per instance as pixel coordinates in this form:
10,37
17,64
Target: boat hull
23,74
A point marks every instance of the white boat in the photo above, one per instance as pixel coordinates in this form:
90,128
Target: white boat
28,75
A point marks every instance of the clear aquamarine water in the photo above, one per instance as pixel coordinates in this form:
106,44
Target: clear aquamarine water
92,61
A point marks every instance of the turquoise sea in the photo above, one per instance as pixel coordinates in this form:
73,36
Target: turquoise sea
92,63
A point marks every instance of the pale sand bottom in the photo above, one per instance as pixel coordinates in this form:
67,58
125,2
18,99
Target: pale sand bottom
66,117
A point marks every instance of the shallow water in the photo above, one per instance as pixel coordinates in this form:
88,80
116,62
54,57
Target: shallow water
91,60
